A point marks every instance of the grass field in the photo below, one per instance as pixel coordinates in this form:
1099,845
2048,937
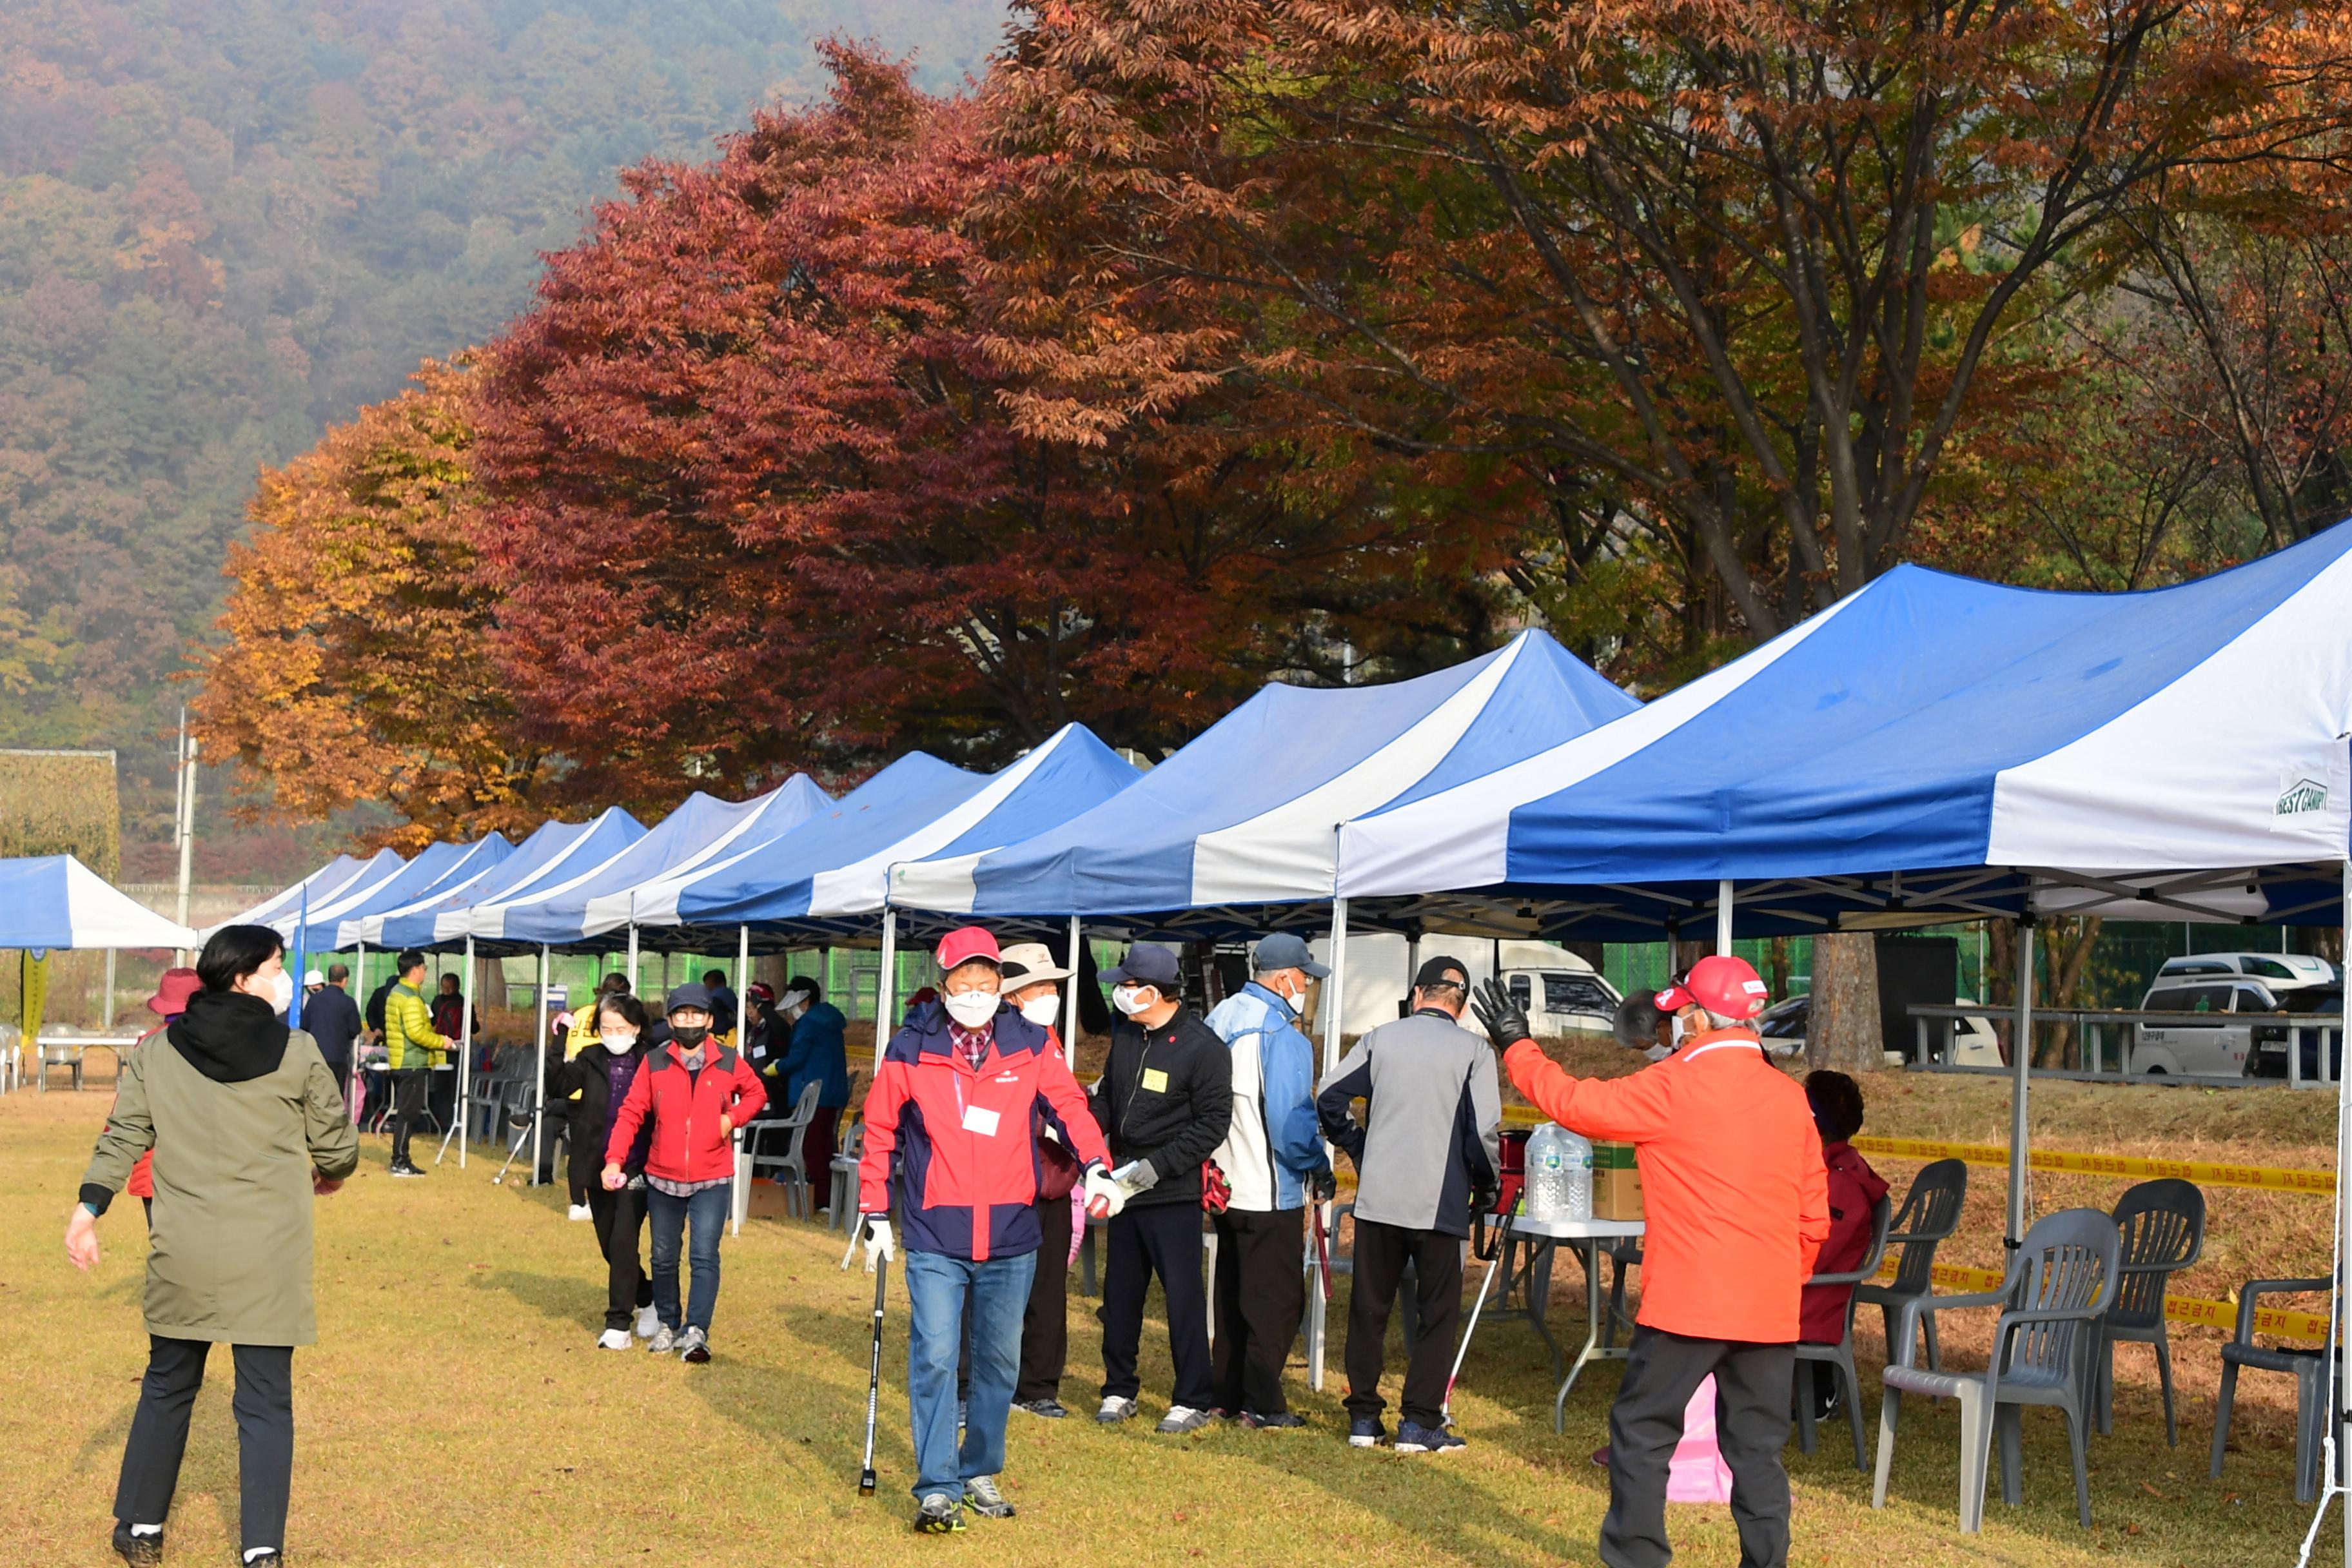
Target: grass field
456,1411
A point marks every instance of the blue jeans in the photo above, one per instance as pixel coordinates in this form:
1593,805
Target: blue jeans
939,1288
707,1211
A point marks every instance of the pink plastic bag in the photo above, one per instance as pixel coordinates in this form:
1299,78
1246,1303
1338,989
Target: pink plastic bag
1697,1473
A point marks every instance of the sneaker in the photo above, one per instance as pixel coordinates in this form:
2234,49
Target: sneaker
1366,1432
1051,1409
648,1322
939,1515
694,1345
1183,1419
140,1549
1413,1438
612,1340
1601,1456
406,1169
981,1495
664,1341
1114,1408
1280,1421
580,1211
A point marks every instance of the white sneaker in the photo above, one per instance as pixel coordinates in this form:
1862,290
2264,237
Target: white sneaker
582,1211
648,1322
1184,1418
612,1340
1114,1408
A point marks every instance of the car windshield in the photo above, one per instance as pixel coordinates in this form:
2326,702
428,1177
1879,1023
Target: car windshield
1576,994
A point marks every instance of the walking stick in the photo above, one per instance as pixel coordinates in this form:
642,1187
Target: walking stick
1322,1248
874,1377
1502,1251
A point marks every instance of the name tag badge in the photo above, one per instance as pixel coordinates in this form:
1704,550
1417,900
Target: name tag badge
1155,1080
981,1119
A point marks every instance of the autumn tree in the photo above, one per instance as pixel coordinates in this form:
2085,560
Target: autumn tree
354,666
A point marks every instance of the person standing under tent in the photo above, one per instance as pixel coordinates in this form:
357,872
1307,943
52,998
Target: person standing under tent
950,1113
1854,1190
247,1126
1737,1206
1427,1152
723,1007
1033,988
172,992
1165,1102
449,1011
413,1050
694,1091
819,1053
1274,1160
593,1087
330,1017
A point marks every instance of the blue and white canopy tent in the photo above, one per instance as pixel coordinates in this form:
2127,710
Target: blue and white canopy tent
335,877
438,921
50,901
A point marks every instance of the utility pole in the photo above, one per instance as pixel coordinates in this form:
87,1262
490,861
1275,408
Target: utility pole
186,818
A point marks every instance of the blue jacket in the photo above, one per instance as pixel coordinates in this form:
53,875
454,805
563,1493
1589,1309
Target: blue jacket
1287,1064
818,1051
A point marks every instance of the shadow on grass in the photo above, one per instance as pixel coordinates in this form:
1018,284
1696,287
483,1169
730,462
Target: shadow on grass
568,1299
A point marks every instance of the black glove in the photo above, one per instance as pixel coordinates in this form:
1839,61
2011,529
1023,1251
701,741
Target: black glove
1506,1020
1324,1186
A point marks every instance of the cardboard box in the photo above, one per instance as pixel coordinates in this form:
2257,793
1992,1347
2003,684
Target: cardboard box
1616,1182
769,1200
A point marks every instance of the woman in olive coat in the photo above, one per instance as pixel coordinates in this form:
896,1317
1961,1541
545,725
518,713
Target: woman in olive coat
246,1123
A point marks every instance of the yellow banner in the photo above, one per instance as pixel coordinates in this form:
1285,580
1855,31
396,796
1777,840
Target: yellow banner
2178,1308
2205,1173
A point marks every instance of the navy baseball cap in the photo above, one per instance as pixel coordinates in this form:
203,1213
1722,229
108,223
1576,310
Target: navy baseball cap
1146,963
1284,951
693,993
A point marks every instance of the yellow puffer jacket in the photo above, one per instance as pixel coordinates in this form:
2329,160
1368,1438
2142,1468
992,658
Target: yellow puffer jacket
410,1040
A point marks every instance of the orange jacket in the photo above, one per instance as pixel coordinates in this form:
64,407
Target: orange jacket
1732,1183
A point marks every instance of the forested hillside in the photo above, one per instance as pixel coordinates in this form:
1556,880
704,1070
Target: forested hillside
224,224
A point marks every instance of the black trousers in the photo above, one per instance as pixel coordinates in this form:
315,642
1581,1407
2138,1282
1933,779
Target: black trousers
1162,1239
1045,1325
620,1218
408,1090
1381,1252
1751,1427
264,1407
1261,1296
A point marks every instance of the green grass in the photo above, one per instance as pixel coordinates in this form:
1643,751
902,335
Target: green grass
456,1411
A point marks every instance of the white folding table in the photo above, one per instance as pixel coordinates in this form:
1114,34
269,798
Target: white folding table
1583,1237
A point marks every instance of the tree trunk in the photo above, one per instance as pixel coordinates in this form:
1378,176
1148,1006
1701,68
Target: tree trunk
1592,952
1778,965
1842,1030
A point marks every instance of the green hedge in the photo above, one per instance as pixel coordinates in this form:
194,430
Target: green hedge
61,803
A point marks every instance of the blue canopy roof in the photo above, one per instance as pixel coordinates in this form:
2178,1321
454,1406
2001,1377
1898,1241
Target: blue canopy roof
555,851
1246,814
438,869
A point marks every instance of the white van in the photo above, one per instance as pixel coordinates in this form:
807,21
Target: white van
2214,1033
2281,968
1559,1001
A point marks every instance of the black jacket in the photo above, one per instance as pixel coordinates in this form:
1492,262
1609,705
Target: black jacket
1166,1095
592,1113
332,1019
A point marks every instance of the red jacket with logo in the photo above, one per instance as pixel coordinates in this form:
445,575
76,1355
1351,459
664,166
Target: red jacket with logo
963,1141
688,1145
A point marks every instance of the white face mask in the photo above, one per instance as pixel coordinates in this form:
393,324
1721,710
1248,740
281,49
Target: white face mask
617,1041
1041,1010
971,1008
1676,1031
1129,999
284,992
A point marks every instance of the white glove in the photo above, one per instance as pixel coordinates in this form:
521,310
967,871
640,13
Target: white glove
878,1246
1136,1176
1105,1196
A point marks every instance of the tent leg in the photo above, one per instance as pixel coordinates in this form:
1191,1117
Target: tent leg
106,1019
539,1073
886,984
1723,918
742,1204
2343,1230
1070,998
360,990
632,946
1333,1003
471,990
2020,1053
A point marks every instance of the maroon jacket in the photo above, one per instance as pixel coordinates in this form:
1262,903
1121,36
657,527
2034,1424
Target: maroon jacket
1855,1188
687,1143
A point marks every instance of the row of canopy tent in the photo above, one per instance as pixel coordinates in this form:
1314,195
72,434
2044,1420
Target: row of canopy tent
1929,749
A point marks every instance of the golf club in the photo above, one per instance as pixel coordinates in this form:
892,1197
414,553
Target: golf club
1502,1251
874,1377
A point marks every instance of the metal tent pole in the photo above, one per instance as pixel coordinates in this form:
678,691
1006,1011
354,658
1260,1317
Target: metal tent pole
1333,1002
632,945
465,1054
2343,1231
360,990
539,1073
1070,999
1723,918
106,1019
741,1206
2020,1052
886,985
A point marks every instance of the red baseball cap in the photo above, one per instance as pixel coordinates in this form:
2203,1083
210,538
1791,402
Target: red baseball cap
966,944
172,992
1729,988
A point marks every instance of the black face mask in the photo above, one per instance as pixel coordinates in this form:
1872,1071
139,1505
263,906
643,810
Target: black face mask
688,1039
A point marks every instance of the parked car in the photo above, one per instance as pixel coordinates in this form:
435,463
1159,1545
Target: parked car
2285,968
1560,1000
2269,1059
1973,1042
2212,1035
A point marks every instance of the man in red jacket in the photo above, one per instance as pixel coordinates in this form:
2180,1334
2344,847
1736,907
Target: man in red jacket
697,1091
950,1121
1736,1205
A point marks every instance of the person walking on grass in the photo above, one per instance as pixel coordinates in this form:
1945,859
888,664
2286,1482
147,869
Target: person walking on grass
1737,1206
1427,1152
592,1088
1165,1101
247,1125
949,1117
1272,1159
695,1092
412,1049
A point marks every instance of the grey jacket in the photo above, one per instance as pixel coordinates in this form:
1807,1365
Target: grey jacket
1434,1117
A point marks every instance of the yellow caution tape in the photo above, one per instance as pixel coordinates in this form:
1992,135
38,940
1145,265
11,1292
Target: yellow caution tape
2206,1173
2179,1309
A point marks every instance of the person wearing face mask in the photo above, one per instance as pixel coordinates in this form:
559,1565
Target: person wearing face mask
1033,988
247,1124
948,1119
413,1047
592,1088
1165,1101
1737,1207
1274,1159
693,1092
818,1053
